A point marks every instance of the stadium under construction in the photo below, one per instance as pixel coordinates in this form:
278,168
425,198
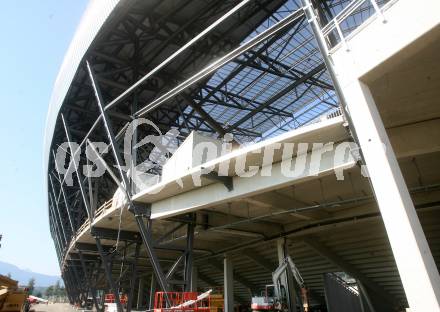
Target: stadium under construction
278,155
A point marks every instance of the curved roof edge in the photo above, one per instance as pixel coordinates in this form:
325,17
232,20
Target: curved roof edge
93,19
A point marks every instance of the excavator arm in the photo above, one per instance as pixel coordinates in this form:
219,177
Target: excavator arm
276,278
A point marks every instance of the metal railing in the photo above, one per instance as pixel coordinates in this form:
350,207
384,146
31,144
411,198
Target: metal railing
350,18
101,210
107,205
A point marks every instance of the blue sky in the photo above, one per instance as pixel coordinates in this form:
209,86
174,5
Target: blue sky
34,38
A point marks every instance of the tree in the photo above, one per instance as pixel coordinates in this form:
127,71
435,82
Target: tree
31,285
56,288
63,292
56,292
49,291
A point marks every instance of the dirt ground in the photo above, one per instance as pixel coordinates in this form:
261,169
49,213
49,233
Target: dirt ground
55,307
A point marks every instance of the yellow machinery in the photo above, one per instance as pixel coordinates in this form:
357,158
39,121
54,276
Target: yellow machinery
12,298
217,302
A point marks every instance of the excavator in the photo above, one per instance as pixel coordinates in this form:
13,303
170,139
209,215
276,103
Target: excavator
274,297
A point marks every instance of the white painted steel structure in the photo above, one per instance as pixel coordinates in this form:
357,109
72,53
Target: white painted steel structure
229,230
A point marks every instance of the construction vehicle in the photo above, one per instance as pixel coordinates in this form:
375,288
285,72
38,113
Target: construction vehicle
12,297
217,302
274,296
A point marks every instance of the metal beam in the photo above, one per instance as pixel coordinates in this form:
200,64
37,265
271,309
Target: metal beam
293,17
87,280
152,292
77,171
164,236
92,247
86,257
107,125
57,217
108,274
175,54
205,116
188,264
133,277
75,284
237,70
66,204
148,242
267,59
227,181
279,95
111,234
138,213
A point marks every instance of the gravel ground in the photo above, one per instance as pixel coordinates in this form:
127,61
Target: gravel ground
54,307
58,307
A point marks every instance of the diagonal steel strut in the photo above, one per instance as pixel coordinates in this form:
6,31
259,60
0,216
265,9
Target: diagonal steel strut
136,210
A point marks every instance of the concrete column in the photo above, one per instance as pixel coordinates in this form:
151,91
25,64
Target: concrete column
417,269
152,291
286,278
194,276
140,294
228,284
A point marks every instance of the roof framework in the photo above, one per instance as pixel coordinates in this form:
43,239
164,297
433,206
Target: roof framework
275,86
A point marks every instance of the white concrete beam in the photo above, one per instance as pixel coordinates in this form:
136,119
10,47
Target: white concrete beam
214,194
415,139
331,130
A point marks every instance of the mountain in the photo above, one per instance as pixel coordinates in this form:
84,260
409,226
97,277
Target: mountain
23,276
